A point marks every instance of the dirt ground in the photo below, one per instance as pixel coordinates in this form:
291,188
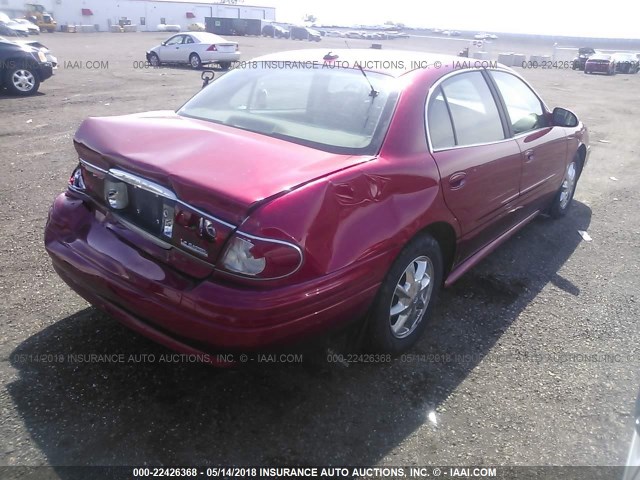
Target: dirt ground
543,334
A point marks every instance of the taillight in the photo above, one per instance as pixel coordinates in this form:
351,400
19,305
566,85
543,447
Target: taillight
76,181
212,48
260,258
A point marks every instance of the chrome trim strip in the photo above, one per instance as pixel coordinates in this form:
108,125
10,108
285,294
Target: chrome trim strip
537,184
142,183
91,166
458,147
152,187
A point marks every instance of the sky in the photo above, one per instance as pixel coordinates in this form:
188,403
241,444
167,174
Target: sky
543,17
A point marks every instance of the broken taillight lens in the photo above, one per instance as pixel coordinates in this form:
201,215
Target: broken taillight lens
260,258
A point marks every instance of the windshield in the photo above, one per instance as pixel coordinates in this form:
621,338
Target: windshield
331,109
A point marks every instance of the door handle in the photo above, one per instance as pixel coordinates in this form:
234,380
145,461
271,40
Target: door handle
529,155
457,180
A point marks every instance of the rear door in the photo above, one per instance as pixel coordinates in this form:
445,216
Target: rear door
479,164
543,147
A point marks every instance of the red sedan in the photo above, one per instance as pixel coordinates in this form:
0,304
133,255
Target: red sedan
308,191
601,63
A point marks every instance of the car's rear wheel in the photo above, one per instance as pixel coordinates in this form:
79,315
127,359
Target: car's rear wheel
194,60
562,201
406,297
22,81
154,60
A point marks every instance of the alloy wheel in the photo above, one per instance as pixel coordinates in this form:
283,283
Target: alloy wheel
23,80
568,185
411,297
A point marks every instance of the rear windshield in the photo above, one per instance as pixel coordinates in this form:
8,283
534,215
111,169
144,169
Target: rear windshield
331,109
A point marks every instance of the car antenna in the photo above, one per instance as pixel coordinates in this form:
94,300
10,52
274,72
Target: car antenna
373,93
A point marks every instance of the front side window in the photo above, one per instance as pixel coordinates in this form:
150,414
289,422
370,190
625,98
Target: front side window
473,110
329,109
177,40
523,106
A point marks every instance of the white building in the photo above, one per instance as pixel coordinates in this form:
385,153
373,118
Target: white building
146,14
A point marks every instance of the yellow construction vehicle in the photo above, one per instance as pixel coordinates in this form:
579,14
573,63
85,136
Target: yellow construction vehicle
37,14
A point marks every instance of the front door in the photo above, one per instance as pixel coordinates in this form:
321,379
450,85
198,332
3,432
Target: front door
544,147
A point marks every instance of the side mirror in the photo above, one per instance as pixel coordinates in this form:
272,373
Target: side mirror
164,44
564,118
207,76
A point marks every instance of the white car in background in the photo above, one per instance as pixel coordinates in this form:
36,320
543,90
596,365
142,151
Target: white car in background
32,28
195,49
18,28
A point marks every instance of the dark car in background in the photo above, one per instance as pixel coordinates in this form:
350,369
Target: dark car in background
600,63
627,63
305,33
22,67
275,31
583,55
278,205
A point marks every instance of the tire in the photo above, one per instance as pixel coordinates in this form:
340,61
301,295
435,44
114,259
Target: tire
194,60
563,199
225,65
22,81
154,60
390,331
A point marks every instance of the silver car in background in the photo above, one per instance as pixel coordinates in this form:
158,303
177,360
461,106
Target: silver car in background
195,49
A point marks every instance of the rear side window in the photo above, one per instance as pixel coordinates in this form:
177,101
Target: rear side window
523,106
439,122
473,110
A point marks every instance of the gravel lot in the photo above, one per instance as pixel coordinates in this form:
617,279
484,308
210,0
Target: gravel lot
531,359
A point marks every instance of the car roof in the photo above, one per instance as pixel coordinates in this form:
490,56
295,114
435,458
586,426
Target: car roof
390,62
206,37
